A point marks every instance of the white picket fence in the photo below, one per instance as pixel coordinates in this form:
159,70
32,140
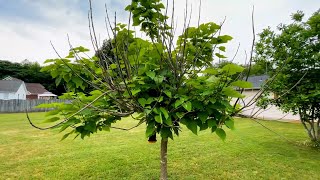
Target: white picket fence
17,105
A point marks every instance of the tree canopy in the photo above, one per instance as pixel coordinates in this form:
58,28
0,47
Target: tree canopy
294,52
157,82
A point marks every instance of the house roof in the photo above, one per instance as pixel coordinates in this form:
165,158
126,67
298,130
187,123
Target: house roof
35,88
257,81
10,86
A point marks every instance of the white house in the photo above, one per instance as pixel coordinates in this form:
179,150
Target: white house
13,89
34,90
271,112
257,82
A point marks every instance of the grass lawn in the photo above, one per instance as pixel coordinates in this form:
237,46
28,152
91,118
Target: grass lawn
250,152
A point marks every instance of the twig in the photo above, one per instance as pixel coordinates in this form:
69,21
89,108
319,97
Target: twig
67,119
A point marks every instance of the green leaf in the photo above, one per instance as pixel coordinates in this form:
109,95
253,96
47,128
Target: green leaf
168,93
128,8
220,55
54,73
160,99
142,101
91,126
98,71
203,116
232,69
229,91
65,136
150,129
213,129
230,124
203,126
53,119
150,100
48,61
135,91
58,80
187,105
53,112
81,49
242,84
158,79
166,133
212,71
192,125
151,74
113,66
178,102
180,114
164,112
168,121
77,81
221,133
225,38
212,79
156,110
96,92
147,109
136,22
222,48
160,6
211,123
158,118
64,127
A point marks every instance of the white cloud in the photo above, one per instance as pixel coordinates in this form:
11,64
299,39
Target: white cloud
30,39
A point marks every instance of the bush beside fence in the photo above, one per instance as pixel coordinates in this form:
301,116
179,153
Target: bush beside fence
18,105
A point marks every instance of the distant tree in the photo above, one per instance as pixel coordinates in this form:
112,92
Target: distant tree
222,63
259,68
294,52
105,53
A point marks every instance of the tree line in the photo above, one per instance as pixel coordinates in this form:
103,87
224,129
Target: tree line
30,72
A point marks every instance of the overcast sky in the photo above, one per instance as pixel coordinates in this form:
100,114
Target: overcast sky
28,26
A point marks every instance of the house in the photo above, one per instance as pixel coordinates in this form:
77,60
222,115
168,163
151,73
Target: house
257,82
37,91
34,90
12,89
271,112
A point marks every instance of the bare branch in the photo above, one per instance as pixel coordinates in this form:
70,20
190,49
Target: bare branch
66,119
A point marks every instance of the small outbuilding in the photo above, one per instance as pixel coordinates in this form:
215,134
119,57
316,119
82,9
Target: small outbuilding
37,91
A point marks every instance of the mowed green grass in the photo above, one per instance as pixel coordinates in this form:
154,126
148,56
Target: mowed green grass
250,152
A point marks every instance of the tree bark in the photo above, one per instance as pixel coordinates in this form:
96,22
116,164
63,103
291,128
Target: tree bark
318,130
303,120
163,159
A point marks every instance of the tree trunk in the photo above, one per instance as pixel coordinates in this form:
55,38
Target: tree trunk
163,159
303,120
318,134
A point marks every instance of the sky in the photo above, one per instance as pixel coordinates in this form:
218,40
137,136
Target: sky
28,26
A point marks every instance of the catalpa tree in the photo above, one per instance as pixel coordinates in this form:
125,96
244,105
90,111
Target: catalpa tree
164,85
